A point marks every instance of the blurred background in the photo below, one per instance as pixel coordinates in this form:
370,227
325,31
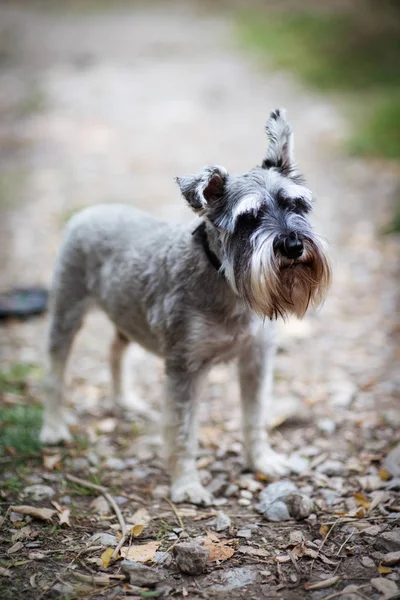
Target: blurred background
106,101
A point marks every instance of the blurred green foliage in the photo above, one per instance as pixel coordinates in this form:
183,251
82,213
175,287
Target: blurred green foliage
19,428
351,51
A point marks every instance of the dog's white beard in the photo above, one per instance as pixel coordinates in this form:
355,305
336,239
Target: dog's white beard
279,286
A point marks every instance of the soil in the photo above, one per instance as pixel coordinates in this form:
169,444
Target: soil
105,104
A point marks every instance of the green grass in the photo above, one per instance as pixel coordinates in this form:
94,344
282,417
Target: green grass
348,52
19,428
15,379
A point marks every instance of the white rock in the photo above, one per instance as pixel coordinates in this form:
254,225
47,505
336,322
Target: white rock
222,521
244,502
246,494
244,533
331,467
384,586
39,491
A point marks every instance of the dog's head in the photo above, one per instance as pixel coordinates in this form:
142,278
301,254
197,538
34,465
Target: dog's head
269,253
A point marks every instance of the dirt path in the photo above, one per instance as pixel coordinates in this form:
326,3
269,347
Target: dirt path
111,106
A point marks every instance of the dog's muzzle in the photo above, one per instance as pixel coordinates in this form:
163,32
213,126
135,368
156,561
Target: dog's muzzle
290,246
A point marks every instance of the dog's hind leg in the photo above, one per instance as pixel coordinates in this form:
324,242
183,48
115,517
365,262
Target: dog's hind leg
67,311
256,378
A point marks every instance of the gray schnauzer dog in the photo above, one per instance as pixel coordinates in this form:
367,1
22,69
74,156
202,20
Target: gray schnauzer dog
196,296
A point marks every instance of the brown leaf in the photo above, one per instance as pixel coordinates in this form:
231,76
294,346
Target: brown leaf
15,548
22,534
361,500
253,551
142,553
46,514
106,557
64,517
51,461
384,570
384,474
218,548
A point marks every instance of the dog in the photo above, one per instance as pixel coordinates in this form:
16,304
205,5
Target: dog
196,296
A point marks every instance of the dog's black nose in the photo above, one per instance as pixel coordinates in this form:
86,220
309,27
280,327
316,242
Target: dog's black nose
290,246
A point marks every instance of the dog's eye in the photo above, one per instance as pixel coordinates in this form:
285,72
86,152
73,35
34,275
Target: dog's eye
248,221
301,206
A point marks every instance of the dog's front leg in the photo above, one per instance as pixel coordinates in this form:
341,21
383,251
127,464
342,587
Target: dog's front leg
180,435
256,378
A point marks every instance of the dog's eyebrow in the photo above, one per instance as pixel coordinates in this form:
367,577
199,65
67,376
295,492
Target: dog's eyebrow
294,190
248,204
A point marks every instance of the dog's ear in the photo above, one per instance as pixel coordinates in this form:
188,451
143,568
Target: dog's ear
280,147
203,189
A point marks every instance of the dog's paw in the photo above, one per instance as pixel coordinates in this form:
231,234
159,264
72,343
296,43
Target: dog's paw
270,463
190,490
53,434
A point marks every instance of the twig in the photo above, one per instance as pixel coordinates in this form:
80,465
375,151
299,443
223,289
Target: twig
345,541
107,496
322,545
5,517
96,579
343,592
172,505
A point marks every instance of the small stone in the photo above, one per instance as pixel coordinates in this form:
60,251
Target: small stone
277,490
300,506
372,530
39,492
105,539
384,586
93,459
244,533
222,521
392,462
299,464
272,500
184,535
367,562
100,506
65,499
16,517
331,467
278,511
250,484
141,575
246,494
217,484
79,464
231,489
342,392
244,502
162,558
390,559
326,425
114,463
389,541
220,501
218,467
191,558
62,590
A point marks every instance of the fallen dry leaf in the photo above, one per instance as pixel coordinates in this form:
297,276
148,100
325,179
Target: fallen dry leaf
260,552
5,572
15,548
51,461
140,517
46,514
324,530
22,534
218,548
282,558
106,557
361,500
64,517
323,584
384,570
136,530
384,474
203,516
142,553
32,579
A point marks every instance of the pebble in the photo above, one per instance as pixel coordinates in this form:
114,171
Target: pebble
372,530
191,558
162,558
105,539
244,502
231,489
384,586
220,501
391,558
222,521
331,467
39,492
282,500
141,575
326,425
389,541
79,464
217,484
392,462
244,533
246,494
299,464
160,491
367,562
114,463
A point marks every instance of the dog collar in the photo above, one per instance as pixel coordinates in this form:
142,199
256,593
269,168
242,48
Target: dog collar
200,234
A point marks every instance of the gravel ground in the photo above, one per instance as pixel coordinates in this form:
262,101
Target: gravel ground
111,105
